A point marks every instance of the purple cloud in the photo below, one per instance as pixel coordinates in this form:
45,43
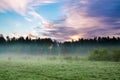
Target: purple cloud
86,19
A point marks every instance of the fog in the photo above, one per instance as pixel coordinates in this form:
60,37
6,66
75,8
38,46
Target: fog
39,50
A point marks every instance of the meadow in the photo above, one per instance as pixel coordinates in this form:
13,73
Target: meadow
57,68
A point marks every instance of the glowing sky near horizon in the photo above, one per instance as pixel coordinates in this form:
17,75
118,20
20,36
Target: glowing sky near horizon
60,19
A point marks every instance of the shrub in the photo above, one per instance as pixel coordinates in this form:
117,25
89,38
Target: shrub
105,55
116,55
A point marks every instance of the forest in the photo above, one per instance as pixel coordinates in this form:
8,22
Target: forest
49,46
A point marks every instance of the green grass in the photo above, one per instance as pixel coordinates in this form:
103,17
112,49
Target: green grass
58,69
105,55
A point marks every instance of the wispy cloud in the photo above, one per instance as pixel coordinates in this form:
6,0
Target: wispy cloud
82,18
87,18
24,7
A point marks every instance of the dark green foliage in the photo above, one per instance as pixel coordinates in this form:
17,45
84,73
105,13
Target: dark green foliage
116,55
105,55
50,46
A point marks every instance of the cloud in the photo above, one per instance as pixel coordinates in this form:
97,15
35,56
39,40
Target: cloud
104,8
87,19
82,18
16,5
24,7
21,7
28,19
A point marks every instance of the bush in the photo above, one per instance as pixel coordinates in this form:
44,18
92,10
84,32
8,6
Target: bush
105,55
116,55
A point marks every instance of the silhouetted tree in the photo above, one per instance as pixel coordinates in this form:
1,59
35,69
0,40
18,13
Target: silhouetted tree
2,39
47,45
8,38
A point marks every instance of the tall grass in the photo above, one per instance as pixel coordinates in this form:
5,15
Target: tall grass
105,55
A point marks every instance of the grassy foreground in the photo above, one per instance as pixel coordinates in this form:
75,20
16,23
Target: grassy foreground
58,69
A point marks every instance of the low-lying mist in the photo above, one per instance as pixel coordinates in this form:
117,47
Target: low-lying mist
38,50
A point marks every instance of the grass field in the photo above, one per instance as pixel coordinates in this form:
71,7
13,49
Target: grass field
57,69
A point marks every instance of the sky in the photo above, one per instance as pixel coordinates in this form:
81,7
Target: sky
63,20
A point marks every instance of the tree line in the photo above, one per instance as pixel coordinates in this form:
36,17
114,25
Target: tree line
95,40
47,45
